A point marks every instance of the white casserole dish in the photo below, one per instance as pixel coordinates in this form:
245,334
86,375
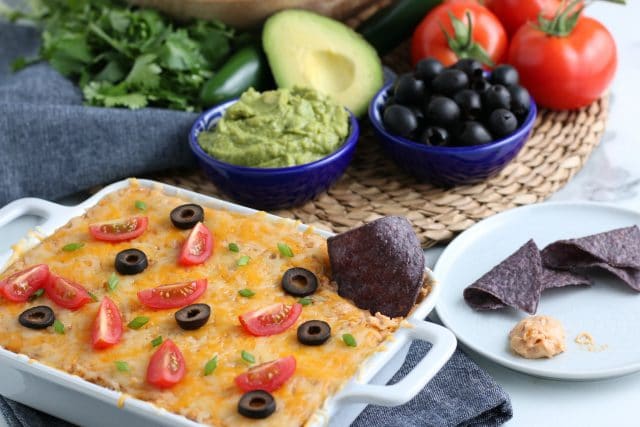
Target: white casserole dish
81,402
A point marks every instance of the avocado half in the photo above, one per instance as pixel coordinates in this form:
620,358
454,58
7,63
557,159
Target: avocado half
306,49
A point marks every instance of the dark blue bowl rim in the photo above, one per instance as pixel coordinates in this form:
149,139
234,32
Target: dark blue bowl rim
205,118
521,132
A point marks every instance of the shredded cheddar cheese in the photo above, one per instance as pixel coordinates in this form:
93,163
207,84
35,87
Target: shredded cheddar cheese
211,399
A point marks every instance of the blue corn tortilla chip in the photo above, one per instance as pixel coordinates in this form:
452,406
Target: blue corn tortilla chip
558,278
379,266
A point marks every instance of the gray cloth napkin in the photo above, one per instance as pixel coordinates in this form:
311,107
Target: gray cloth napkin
51,146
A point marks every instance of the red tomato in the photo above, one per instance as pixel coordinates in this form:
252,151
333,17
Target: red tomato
21,285
270,320
565,72
430,40
66,293
120,229
174,295
198,246
515,13
107,326
268,376
167,366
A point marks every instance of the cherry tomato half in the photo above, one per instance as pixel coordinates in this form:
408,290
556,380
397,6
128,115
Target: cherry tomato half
268,376
119,230
107,326
198,246
167,366
270,320
66,293
21,285
174,295
430,40
565,72
513,14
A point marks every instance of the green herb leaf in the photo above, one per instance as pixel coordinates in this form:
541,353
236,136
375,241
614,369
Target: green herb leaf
58,327
305,301
140,205
234,248
122,366
138,322
285,250
156,341
244,260
113,281
211,366
349,340
247,293
37,294
72,247
248,357
93,296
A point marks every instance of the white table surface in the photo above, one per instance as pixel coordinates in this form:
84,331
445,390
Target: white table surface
612,175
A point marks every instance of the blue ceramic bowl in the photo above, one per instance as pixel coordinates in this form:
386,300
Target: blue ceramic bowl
448,166
271,188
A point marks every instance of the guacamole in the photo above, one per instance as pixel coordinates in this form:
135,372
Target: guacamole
279,128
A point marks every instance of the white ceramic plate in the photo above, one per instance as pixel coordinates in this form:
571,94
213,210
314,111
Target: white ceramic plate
609,310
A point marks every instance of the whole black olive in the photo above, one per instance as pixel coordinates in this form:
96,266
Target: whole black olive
187,216
408,90
131,261
472,67
480,85
299,282
399,120
435,136
469,102
39,317
427,69
256,404
314,332
442,111
504,75
449,82
497,96
502,122
473,133
520,101
193,316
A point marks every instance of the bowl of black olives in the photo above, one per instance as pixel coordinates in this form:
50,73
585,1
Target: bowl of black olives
453,125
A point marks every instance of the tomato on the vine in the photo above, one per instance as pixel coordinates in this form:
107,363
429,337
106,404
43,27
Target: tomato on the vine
515,13
459,29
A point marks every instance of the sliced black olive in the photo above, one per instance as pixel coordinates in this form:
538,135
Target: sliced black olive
469,102
314,332
131,261
299,282
520,101
473,133
435,136
442,111
497,96
256,404
193,316
187,216
427,69
449,82
399,119
408,90
39,317
502,122
504,75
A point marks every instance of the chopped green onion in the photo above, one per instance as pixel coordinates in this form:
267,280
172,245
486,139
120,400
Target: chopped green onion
305,301
285,250
113,281
211,366
58,326
122,366
248,357
72,247
247,293
233,247
156,341
93,296
138,322
37,294
244,260
140,205
349,340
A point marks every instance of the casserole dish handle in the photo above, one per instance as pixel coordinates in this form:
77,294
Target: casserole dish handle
443,345
32,206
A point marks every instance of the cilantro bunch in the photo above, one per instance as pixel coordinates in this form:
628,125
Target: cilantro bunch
122,56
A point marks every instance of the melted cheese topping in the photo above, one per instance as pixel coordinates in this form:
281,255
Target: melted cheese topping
321,371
